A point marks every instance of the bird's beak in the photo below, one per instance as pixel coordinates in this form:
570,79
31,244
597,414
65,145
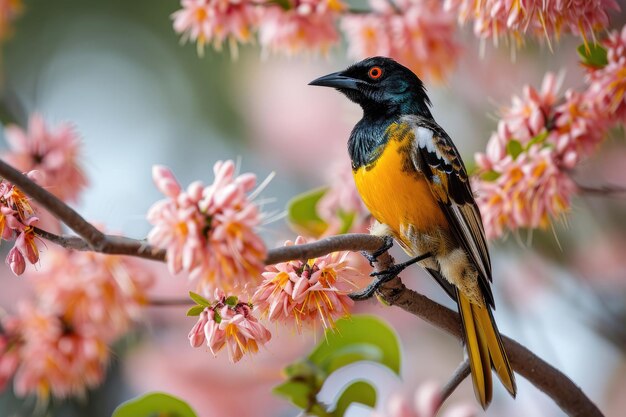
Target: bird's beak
336,80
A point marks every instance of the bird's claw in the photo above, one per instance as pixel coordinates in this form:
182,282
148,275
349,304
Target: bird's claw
381,277
369,291
373,256
394,270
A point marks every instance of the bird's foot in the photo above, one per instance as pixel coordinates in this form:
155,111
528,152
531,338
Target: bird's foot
369,291
373,257
381,277
394,270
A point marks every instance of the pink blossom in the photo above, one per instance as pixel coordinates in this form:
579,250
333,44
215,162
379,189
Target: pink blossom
196,335
229,323
528,115
94,293
368,34
54,359
608,84
421,36
529,191
304,292
307,25
579,126
208,231
425,402
53,152
538,18
524,177
216,21
17,219
16,261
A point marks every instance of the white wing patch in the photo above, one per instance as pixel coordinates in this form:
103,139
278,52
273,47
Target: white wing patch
425,141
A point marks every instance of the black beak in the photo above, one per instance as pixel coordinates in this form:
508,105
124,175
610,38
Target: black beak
336,80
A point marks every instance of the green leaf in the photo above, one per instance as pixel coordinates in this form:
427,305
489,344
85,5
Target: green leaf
593,55
284,4
347,219
355,339
198,299
232,300
490,175
298,393
514,148
154,404
195,311
540,138
302,213
358,392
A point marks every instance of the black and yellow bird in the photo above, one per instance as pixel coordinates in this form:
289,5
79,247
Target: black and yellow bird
413,181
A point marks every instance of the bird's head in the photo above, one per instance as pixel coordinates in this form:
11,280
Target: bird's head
381,86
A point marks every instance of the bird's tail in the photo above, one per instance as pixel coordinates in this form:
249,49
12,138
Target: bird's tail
485,349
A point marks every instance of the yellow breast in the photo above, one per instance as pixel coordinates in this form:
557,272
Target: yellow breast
396,194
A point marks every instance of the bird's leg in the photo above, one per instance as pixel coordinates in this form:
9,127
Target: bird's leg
380,277
394,270
373,257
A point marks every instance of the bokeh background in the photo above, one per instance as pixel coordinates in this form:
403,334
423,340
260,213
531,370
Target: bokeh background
118,72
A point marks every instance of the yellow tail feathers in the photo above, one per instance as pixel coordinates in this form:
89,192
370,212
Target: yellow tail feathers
485,350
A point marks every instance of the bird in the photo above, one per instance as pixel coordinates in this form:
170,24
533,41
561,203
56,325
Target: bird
413,181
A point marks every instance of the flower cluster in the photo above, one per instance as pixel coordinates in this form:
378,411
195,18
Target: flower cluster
607,83
302,292
96,293
216,21
300,26
417,33
539,18
85,301
524,177
290,26
17,219
227,322
50,358
208,231
52,152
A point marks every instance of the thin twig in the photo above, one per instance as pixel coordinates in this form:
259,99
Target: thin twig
545,377
111,245
461,372
170,302
602,190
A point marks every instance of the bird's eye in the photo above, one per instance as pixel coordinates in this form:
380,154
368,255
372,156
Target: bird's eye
375,73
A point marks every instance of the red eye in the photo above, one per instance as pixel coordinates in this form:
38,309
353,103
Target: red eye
375,73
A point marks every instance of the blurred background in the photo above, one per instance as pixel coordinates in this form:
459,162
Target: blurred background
117,71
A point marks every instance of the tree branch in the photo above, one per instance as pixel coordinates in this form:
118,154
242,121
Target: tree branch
110,244
58,208
567,395
545,377
458,376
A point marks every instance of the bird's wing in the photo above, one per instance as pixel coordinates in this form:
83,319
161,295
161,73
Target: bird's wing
435,155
